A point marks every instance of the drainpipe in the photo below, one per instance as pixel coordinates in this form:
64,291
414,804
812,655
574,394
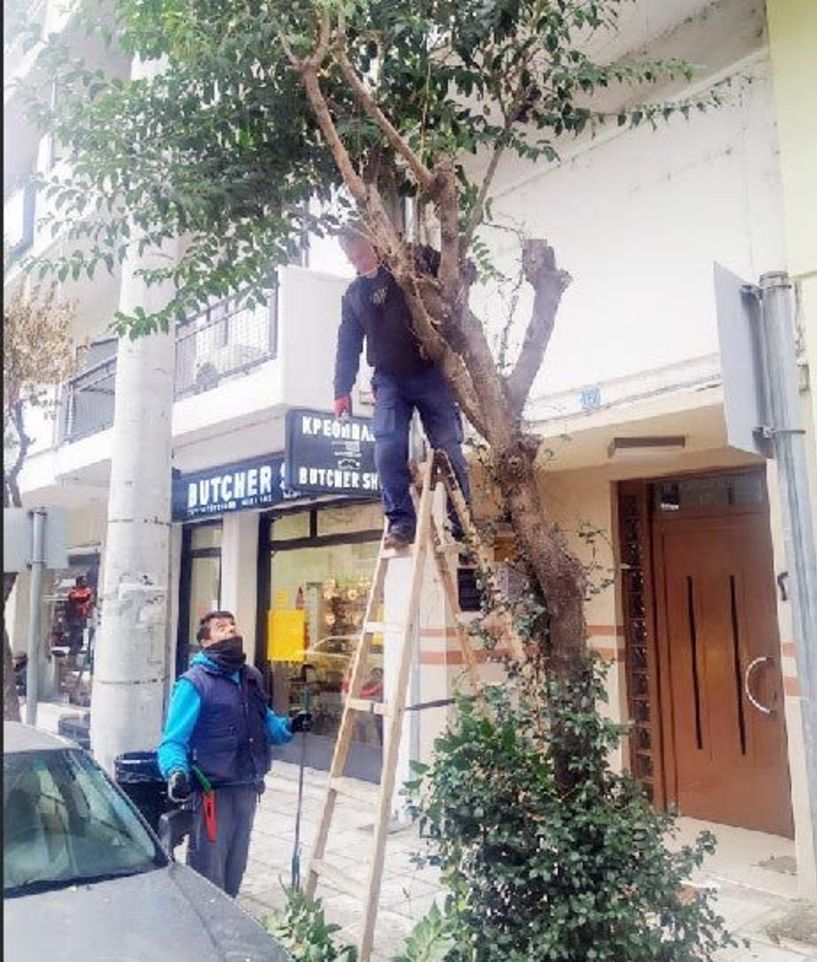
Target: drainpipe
789,438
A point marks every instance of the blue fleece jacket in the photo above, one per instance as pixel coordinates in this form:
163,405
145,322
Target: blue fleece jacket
185,704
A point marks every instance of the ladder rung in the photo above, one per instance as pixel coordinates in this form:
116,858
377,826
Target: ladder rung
388,553
338,878
374,627
366,705
354,788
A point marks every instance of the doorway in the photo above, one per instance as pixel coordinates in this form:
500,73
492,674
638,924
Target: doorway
717,692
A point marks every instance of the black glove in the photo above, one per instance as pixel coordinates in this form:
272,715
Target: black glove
302,722
178,787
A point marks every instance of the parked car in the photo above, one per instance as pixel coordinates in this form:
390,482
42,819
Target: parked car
85,878
331,657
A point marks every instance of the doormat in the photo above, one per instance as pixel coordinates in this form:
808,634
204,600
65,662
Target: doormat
783,864
798,925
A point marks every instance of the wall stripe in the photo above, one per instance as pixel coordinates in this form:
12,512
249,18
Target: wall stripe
791,686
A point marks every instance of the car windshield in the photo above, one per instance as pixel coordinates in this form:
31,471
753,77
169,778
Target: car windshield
64,823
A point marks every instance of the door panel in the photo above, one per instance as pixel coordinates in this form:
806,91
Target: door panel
718,618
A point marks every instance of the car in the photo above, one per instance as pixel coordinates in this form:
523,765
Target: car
85,878
331,657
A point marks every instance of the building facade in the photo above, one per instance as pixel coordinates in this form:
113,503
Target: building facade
680,528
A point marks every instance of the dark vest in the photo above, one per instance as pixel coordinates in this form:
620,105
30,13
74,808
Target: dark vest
230,741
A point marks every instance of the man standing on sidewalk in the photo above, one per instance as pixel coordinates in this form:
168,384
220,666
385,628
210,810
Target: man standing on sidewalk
374,307
218,735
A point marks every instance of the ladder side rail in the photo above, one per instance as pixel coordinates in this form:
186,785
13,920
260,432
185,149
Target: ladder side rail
392,748
347,724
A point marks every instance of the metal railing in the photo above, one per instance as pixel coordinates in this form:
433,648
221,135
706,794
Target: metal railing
89,401
224,340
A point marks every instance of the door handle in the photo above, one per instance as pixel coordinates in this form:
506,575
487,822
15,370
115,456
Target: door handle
754,664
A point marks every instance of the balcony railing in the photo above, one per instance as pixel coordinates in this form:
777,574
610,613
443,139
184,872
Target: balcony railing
222,341
89,401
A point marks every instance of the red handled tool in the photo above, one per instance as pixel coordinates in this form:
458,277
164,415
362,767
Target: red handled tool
208,803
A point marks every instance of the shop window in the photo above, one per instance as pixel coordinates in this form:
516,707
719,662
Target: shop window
205,536
199,586
290,527
364,517
318,597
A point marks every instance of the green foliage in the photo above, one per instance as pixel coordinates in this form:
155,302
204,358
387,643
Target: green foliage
223,147
303,931
430,941
532,875
301,928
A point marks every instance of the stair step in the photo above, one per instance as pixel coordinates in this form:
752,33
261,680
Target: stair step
367,706
354,788
337,877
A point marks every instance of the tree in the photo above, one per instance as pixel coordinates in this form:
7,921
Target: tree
38,354
265,108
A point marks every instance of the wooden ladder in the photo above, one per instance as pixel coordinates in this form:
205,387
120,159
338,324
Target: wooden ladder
429,538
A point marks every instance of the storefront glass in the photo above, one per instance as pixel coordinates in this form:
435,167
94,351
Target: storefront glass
318,596
200,585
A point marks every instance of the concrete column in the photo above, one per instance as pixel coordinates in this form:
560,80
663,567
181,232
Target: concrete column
239,575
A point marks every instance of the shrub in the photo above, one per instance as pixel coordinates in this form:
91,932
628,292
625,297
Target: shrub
532,875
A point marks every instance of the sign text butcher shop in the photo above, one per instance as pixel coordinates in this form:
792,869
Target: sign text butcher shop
255,483
329,455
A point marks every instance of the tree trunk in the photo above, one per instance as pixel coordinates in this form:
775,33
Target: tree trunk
11,703
558,572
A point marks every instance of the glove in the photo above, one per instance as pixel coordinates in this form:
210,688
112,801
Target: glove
178,787
343,405
302,722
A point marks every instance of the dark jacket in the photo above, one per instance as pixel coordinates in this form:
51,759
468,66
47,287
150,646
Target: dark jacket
230,741
375,308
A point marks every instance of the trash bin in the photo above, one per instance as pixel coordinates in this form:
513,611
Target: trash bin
137,774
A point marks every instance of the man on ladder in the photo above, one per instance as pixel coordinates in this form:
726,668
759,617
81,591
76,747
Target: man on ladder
374,307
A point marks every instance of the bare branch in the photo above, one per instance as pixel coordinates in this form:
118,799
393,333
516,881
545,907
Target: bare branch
11,486
549,283
422,174
449,211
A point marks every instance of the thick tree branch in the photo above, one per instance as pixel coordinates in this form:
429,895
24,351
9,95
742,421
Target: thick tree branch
423,176
549,283
447,197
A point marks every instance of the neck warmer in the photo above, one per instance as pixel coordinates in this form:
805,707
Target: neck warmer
228,653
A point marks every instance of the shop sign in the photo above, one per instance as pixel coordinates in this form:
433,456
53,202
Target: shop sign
254,483
328,455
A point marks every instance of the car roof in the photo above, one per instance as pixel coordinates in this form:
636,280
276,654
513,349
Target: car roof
18,737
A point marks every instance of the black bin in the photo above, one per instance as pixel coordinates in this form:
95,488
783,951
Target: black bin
77,728
137,774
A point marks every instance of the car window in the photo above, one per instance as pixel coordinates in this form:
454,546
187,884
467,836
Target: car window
64,823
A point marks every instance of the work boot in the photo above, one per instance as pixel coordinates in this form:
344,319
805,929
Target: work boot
398,538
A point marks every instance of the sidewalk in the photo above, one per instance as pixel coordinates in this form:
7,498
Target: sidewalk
753,874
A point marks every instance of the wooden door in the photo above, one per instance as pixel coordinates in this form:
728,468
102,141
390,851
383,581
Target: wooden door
719,644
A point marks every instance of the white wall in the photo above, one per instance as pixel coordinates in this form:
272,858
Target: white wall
638,219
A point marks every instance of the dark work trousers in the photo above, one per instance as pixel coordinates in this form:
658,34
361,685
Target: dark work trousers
395,401
223,861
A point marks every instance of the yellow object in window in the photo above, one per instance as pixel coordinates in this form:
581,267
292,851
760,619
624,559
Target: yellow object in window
286,634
